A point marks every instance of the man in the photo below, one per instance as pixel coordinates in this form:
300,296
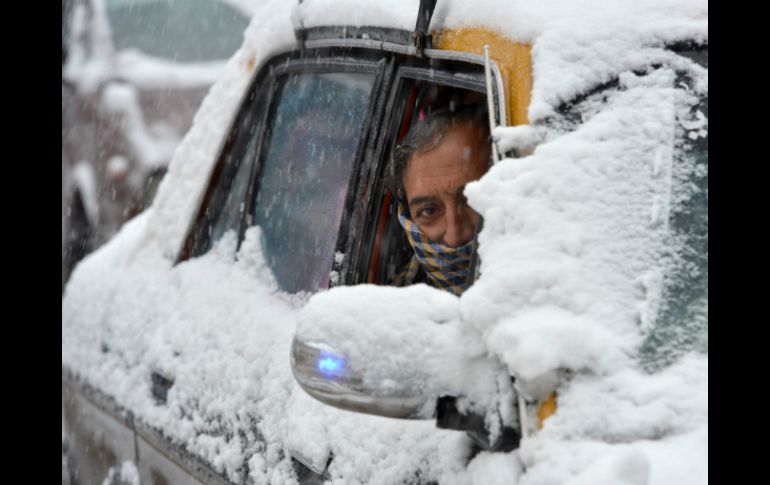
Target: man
429,171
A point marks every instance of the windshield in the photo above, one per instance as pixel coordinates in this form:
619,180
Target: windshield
682,321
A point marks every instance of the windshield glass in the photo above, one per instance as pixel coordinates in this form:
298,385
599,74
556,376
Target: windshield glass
682,322
311,150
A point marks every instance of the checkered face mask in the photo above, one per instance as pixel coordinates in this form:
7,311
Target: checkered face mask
447,268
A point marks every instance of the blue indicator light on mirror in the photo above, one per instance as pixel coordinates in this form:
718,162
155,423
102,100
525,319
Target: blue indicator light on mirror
331,365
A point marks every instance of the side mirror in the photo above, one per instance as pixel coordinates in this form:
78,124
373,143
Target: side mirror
331,377
393,352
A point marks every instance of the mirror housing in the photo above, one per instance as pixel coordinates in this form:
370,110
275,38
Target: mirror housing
393,352
326,375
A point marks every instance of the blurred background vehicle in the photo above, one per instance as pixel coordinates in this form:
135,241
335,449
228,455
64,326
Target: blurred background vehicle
133,75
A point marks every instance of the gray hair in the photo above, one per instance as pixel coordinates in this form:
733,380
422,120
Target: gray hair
427,135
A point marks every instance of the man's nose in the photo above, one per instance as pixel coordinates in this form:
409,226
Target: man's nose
460,225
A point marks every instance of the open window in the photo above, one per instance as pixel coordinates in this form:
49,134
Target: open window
418,94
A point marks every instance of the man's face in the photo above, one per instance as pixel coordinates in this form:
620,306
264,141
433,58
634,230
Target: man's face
434,183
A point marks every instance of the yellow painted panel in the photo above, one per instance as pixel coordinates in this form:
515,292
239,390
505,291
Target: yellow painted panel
547,408
514,60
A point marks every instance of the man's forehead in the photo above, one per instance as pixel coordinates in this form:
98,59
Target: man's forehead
447,175
461,152
437,176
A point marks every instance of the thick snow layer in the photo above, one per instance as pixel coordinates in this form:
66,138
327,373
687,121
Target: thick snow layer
405,341
573,254
630,428
233,394
126,473
577,44
522,138
571,220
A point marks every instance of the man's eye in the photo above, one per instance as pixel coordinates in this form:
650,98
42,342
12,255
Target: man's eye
426,212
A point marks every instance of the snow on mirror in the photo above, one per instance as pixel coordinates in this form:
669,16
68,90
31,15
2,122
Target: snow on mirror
393,352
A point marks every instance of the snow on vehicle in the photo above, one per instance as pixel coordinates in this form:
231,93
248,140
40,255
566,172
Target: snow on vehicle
578,355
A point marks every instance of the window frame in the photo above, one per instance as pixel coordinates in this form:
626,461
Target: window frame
231,144
331,65
437,71
261,95
365,188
